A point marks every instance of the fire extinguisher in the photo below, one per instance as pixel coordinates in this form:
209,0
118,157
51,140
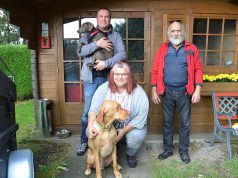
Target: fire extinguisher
45,38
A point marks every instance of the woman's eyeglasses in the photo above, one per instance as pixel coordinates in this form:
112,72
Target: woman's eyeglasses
120,74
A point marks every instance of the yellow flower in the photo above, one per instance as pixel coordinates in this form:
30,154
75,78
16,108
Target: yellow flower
221,78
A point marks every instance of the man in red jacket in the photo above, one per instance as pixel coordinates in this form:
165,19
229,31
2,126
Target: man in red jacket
177,77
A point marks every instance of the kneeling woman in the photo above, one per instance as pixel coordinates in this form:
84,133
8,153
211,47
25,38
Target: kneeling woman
122,88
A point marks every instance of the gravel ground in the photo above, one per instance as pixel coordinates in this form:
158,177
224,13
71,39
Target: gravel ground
198,151
206,161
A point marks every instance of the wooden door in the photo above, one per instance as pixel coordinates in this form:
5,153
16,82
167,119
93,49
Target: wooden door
134,28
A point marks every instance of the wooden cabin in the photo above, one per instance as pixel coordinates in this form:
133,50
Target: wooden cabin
210,24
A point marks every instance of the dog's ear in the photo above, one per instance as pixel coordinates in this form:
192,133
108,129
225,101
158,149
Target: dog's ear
90,26
103,109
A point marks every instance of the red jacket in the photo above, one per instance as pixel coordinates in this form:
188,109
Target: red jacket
195,72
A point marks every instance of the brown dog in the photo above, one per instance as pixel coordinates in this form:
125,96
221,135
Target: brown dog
102,149
101,54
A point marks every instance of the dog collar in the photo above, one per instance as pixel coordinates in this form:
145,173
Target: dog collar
103,126
94,33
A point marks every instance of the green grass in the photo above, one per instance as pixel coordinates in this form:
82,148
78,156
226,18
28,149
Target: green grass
175,169
232,167
196,169
25,118
48,157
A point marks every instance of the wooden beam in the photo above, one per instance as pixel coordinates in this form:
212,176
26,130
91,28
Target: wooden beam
233,1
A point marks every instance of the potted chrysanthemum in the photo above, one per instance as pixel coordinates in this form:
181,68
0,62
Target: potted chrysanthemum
221,82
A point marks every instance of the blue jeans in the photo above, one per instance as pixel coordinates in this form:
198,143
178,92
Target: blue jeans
182,101
89,90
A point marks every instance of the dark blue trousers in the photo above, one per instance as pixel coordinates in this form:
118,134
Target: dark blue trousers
182,102
89,90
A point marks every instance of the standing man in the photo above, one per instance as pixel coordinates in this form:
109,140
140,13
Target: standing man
98,75
177,77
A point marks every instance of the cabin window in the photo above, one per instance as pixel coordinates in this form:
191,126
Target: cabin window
215,38
131,30
71,61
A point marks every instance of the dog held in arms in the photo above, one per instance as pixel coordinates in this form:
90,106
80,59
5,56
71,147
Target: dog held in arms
101,54
102,149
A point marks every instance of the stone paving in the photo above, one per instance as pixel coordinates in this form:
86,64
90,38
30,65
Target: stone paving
76,165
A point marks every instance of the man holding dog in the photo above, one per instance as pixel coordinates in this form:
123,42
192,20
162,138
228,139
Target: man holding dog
98,75
177,77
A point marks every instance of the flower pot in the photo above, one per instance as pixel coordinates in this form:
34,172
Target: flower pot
218,86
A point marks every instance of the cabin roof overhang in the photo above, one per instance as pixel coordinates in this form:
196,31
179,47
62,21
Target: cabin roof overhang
24,13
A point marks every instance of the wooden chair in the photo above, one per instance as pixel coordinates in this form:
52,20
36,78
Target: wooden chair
225,105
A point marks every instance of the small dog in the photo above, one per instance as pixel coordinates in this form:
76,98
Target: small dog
101,54
102,149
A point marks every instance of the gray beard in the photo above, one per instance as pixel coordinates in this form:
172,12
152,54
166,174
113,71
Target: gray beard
176,41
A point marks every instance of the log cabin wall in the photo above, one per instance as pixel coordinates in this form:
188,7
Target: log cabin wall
156,15
48,71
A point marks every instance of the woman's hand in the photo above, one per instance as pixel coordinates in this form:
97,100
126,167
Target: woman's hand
120,134
92,132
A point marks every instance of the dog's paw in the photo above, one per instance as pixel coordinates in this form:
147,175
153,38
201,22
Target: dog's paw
117,175
119,167
88,172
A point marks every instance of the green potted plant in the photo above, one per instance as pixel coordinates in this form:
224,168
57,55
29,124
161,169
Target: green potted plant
220,82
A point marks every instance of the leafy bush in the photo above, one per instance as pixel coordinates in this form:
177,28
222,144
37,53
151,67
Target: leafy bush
18,59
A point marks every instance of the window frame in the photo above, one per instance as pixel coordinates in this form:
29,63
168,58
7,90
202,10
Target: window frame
214,69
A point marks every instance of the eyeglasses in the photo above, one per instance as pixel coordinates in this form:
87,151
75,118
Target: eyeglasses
172,21
120,74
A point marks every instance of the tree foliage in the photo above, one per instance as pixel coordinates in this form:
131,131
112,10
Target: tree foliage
9,34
